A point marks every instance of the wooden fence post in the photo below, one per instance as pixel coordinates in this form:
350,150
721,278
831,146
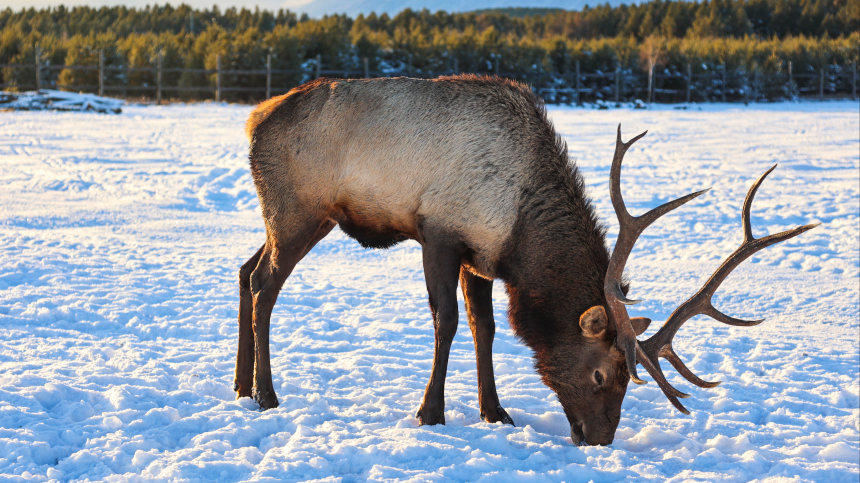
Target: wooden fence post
724,87
38,69
366,69
409,68
319,66
754,89
101,72
218,78
790,81
854,82
689,80
578,99
650,79
821,86
456,68
497,66
617,84
269,75
158,79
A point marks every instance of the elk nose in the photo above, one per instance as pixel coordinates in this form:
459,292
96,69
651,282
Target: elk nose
597,438
576,433
580,434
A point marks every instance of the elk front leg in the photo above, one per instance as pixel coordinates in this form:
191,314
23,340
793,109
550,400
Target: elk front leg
244,376
441,268
478,294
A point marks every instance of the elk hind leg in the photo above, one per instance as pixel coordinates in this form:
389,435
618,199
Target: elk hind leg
478,295
277,261
244,375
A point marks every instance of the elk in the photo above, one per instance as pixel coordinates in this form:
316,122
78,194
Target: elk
473,170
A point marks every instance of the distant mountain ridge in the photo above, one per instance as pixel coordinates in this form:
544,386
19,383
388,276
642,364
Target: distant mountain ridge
318,8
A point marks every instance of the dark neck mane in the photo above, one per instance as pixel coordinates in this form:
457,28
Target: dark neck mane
558,257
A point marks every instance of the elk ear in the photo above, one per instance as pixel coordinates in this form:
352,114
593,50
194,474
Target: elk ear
594,322
640,324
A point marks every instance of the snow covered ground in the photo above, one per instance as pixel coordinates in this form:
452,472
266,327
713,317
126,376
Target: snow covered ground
120,238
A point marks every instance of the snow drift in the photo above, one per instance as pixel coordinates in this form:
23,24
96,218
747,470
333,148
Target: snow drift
120,238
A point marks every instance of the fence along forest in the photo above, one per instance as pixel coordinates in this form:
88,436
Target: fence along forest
665,51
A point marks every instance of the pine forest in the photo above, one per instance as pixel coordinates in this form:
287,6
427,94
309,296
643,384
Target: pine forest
747,40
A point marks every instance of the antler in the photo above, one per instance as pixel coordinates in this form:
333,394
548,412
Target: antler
660,344
630,229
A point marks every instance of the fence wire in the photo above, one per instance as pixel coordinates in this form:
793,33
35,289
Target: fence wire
621,86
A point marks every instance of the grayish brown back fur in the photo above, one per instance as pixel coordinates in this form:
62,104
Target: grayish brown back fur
383,156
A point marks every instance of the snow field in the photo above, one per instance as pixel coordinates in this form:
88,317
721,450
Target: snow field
120,238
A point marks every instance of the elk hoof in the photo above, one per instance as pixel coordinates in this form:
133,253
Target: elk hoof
266,399
430,418
500,416
241,391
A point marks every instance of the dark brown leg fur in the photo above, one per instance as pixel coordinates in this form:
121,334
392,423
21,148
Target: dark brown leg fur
478,294
244,376
441,267
276,262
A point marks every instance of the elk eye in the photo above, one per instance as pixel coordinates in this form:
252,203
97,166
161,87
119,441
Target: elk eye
598,377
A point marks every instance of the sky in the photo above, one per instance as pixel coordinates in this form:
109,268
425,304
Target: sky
317,8
265,4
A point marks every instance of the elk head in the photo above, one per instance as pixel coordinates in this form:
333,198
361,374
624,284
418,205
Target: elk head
589,375
610,349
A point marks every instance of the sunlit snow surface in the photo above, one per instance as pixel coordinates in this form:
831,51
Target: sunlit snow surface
121,236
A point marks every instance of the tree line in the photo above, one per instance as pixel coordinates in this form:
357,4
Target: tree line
742,35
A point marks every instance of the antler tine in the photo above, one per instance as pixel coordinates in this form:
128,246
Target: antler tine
747,209
630,228
615,176
670,355
715,314
652,365
660,344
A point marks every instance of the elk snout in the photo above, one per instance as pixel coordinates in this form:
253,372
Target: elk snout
580,434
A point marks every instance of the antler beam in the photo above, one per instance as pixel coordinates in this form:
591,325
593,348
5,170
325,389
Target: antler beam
660,344
630,227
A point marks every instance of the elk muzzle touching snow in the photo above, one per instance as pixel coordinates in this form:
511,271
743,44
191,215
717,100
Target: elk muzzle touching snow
472,169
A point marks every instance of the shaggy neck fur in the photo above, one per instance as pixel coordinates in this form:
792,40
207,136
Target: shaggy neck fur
555,269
